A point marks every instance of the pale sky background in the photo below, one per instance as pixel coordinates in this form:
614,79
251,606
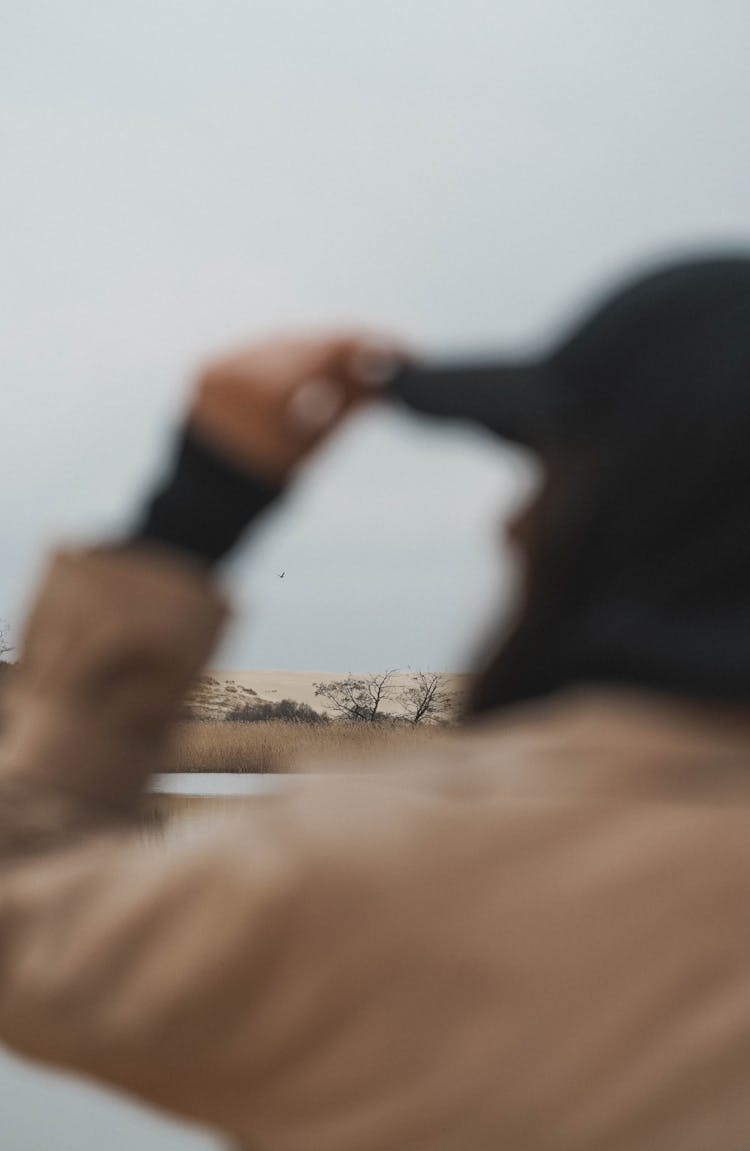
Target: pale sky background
178,175
181,175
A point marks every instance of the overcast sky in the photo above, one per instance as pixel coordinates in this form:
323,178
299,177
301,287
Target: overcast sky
179,175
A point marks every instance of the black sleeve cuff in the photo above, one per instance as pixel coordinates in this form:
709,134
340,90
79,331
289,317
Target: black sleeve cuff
205,504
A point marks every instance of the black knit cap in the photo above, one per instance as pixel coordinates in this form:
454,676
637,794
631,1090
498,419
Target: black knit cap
642,413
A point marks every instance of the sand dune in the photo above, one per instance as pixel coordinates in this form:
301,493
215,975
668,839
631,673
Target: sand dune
298,685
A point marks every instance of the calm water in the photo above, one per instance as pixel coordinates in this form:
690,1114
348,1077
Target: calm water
221,783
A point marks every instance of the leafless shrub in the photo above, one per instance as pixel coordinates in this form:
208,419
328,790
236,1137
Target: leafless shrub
429,699
288,710
6,647
358,698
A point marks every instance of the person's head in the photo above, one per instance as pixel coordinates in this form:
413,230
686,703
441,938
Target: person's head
637,548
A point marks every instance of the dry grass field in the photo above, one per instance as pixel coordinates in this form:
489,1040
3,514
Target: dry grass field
276,746
161,810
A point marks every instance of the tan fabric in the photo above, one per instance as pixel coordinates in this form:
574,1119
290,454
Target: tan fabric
537,938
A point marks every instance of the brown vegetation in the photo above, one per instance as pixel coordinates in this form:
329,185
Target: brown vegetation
6,647
274,745
6,674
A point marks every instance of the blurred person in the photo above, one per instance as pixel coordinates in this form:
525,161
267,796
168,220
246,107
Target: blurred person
531,935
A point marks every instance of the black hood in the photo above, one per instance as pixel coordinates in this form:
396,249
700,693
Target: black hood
642,414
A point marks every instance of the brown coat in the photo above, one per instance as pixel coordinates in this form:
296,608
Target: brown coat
536,940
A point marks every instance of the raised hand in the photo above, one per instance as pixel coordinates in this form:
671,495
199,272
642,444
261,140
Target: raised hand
266,407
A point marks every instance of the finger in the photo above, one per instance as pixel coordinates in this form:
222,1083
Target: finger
315,405
375,360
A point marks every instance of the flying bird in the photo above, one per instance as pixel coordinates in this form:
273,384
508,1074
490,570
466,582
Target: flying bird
281,574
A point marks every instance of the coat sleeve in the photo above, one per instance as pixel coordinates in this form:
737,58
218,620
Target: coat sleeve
114,639
199,970
114,942
184,968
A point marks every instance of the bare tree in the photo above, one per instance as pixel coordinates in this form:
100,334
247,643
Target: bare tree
6,646
358,697
430,697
